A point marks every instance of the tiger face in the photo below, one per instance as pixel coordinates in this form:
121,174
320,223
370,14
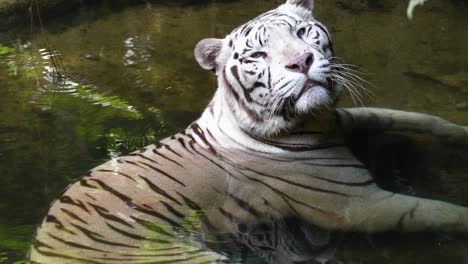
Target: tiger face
273,69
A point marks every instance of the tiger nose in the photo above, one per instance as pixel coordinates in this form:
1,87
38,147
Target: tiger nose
301,63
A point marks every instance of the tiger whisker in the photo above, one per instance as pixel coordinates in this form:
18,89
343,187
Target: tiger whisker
334,59
355,94
352,75
357,82
351,81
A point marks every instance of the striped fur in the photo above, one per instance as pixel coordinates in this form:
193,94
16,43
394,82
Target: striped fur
267,152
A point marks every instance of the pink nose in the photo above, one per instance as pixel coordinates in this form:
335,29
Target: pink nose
301,63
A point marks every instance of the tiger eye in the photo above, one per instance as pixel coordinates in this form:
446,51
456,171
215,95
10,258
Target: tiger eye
301,32
258,54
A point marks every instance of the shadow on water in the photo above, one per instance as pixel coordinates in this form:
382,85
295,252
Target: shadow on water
132,80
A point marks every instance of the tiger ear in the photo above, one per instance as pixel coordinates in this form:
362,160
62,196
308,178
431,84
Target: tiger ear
207,51
307,4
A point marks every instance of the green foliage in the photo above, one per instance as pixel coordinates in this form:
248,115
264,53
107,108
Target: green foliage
14,239
8,57
4,50
412,5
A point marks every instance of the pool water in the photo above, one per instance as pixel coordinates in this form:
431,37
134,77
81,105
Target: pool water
131,78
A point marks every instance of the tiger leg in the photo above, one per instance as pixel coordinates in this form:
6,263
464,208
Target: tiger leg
385,211
382,119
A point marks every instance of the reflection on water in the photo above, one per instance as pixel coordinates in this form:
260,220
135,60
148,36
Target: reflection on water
131,78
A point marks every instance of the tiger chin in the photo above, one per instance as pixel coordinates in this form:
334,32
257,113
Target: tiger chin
265,164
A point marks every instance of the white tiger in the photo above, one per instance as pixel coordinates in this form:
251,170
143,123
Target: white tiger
267,151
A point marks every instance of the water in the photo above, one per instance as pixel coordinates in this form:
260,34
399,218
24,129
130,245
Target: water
133,79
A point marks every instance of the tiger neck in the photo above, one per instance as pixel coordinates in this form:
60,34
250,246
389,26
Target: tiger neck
221,124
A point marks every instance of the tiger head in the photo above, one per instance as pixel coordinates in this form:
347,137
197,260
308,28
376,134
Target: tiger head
273,69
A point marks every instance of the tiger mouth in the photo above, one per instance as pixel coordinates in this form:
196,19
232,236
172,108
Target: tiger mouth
310,84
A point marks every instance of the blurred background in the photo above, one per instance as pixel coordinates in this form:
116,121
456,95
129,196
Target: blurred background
83,81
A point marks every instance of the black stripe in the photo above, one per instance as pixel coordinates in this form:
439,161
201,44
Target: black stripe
159,190
171,150
327,34
75,245
152,227
214,163
37,243
172,210
190,203
143,157
284,195
53,219
168,254
103,212
73,215
164,173
258,84
157,215
304,186
351,165
297,147
134,206
193,252
57,255
99,238
285,85
201,134
269,77
127,234
182,143
230,89
151,255
235,72
84,183
119,173
229,216
245,205
249,30
90,196
106,187
68,200
252,114
167,158
350,184
87,232
135,164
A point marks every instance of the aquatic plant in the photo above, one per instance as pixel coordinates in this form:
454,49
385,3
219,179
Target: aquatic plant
4,50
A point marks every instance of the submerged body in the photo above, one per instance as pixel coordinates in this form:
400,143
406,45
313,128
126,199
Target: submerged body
191,180
267,148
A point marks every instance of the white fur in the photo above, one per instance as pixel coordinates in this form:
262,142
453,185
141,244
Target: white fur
313,99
